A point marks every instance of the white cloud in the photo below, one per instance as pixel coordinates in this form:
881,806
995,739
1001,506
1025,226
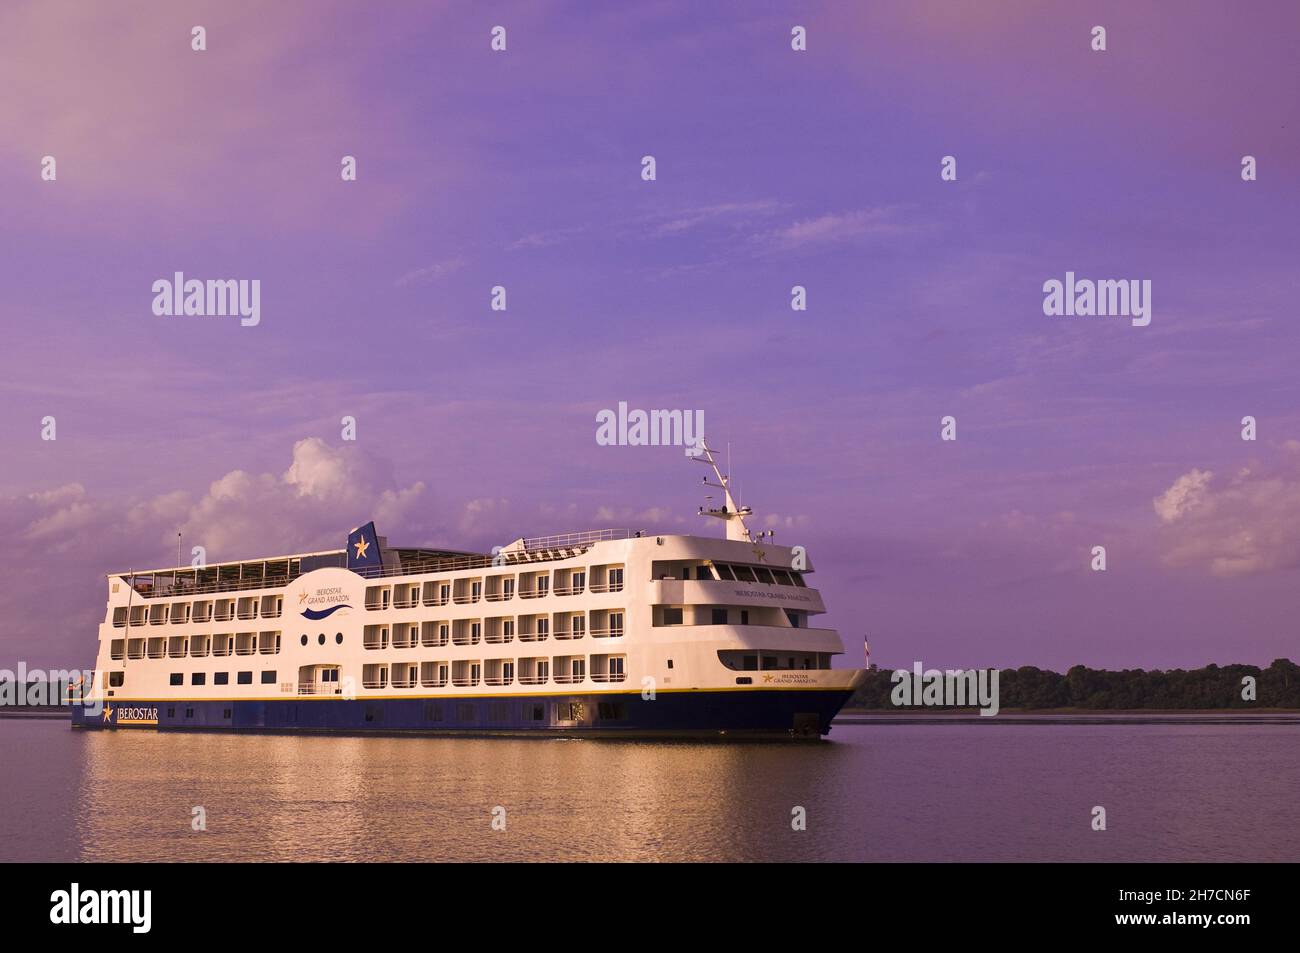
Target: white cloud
1251,524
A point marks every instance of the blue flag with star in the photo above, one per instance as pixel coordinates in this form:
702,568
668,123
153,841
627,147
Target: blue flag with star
363,549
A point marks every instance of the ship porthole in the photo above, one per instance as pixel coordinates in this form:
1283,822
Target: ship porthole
322,638
339,638
304,640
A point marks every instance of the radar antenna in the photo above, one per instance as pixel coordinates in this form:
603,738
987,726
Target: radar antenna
730,513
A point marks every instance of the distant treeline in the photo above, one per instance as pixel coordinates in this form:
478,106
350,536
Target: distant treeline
1277,686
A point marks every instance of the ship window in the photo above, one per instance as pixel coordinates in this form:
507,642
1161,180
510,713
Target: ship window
225,712
177,679
744,574
744,680
171,712
321,638
749,663
798,579
724,572
782,577
703,572
793,617
221,678
115,679
464,712
199,678
764,575
338,638
719,616
304,640
670,663
533,712
244,678
268,676
672,615
189,713
744,617
611,711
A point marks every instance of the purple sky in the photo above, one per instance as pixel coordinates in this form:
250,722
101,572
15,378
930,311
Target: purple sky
775,168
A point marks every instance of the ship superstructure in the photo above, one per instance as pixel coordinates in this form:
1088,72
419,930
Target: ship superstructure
608,631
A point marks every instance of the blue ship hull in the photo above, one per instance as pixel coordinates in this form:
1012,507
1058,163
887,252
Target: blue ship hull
757,712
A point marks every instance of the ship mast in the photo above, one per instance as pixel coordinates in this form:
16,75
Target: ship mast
730,513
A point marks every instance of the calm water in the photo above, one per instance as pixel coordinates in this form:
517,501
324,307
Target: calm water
877,792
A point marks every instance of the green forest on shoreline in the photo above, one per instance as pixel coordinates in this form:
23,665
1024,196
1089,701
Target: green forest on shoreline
1211,687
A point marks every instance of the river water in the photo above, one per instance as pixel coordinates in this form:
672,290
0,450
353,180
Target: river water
877,791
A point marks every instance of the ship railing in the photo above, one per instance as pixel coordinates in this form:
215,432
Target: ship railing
602,587
498,680
610,677
569,679
600,633
573,540
532,679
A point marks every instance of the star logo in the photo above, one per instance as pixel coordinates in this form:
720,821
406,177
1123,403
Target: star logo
361,546
302,597
768,678
762,556
108,713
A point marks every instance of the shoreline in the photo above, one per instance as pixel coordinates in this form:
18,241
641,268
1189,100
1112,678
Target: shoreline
1073,716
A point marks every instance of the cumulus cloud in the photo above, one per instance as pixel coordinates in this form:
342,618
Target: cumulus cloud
68,539
1188,492
1247,524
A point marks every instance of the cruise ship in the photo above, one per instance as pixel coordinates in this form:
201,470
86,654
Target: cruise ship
609,632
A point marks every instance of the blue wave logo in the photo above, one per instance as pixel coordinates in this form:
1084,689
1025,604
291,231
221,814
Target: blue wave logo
317,614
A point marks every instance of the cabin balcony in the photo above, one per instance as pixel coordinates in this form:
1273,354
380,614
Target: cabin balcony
570,669
466,673
433,674
406,635
375,637
499,672
467,631
534,671
434,634
404,674
608,668
436,593
406,596
498,630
